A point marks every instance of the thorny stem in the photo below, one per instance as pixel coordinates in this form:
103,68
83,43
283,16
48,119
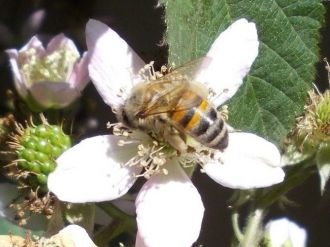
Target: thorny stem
252,232
236,228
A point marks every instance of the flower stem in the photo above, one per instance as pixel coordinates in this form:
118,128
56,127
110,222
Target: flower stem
253,230
236,228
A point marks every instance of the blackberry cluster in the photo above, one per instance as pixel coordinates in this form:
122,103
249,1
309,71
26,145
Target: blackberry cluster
39,148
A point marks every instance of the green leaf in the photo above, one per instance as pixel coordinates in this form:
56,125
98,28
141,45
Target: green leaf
275,90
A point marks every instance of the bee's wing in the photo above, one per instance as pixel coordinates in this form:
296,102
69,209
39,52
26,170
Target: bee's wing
192,68
178,80
169,100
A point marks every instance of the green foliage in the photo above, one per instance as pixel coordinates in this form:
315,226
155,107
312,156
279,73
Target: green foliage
275,90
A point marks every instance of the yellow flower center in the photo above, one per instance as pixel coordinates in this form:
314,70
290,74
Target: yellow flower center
55,66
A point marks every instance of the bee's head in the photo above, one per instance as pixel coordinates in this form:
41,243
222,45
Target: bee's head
123,116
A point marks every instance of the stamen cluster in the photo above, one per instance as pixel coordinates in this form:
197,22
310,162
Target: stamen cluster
55,66
154,154
150,156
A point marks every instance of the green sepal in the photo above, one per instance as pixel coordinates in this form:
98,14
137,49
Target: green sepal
323,164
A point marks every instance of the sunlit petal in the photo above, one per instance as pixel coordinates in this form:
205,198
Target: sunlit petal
79,76
169,210
248,162
34,43
113,64
61,41
18,79
93,171
232,55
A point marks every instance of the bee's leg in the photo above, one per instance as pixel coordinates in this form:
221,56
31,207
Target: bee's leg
173,137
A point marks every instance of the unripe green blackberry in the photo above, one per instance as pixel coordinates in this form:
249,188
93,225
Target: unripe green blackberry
37,148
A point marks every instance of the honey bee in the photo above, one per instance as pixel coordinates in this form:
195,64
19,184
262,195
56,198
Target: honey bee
174,106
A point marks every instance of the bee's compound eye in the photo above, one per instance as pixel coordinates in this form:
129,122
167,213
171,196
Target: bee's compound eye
140,114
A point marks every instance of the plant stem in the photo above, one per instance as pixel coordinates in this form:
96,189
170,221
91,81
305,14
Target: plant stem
252,232
236,228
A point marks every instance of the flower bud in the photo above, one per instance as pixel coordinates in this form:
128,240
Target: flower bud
49,78
284,233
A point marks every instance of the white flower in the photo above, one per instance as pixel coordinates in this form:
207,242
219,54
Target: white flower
285,233
54,76
169,208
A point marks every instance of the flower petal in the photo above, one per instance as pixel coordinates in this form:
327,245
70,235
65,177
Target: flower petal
50,94
79,76
232,55
93,171
248,162
18,79
113,64
169,210
282,232
35,43
138,241
75,236
61,41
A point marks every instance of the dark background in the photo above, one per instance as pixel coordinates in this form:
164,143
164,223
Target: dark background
141,25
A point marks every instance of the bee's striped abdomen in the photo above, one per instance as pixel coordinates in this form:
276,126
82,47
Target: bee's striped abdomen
202,122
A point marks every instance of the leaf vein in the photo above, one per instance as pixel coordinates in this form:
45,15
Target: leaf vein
305,45
260,109
277,89
283,59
